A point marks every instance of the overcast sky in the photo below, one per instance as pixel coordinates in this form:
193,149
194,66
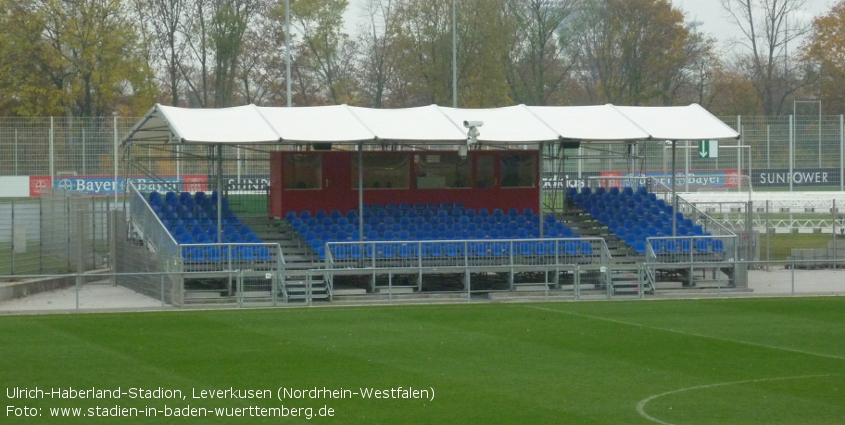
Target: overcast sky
718,24
714,19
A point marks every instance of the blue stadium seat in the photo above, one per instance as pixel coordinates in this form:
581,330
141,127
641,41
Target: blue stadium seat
639,246
702,245
245,253
684,246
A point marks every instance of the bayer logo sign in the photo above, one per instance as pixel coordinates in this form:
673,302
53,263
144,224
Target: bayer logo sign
65,184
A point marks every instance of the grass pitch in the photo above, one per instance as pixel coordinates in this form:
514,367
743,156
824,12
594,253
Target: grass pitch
735,361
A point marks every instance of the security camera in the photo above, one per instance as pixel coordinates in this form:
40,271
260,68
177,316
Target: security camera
462,152
469,124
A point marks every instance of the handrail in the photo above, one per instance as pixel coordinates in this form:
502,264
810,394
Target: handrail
688,206
154,230
463,259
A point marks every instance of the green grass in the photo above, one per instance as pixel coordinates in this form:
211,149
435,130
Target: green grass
781,244
749,361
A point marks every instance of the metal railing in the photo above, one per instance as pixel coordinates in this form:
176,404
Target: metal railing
148,227
93,292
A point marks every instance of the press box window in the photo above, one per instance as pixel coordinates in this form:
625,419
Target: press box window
443,171
383,171
519,170
303,171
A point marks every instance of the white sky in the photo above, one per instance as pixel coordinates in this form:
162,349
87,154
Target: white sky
715,21
718,24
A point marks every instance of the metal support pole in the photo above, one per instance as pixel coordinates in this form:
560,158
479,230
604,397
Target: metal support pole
287,53
793,276
84,171
739,153
833,216
16,151
686,173
674,191
80,264
116,144
238,165
13,237
454,57
768,147
791,148
768,234
220,193
540,206
842,153
361,193
52,154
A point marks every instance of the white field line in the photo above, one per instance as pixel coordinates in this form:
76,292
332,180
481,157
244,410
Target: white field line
755,344
641,405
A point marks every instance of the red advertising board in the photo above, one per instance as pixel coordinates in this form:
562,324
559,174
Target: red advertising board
36,183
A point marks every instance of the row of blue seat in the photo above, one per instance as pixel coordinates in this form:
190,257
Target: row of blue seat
682,246
414,228
637,218
474,249
184,198
206,237
571,192
194,254
656,228
315,239
193,223
416,206
404,222
352,216
186,212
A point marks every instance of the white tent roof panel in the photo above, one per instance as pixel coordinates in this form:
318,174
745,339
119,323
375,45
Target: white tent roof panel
429,124
599,123
508,124
424,123
678,122
317,124
243,123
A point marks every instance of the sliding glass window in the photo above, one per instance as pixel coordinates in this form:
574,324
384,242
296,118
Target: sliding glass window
383,171
443,171
303,171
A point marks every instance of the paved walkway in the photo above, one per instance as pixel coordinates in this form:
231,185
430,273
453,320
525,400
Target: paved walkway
104,297
92,297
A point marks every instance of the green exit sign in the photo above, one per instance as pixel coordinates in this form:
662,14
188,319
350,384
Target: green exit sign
708,149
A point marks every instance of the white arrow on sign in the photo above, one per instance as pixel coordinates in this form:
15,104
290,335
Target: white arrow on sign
708,149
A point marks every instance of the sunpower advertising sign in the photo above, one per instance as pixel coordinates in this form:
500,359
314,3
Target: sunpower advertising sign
107,185
799,177
715,179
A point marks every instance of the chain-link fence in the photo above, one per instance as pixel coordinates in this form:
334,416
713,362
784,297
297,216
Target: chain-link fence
799,152
74,232
156,290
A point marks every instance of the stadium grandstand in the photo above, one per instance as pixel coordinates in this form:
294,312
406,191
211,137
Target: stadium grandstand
430,200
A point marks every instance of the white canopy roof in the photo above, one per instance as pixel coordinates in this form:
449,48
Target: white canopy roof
601,122
678,122
503,125
518,124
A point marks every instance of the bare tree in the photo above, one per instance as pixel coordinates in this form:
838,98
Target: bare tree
376,63
766,34
330,51
539,64
164,20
